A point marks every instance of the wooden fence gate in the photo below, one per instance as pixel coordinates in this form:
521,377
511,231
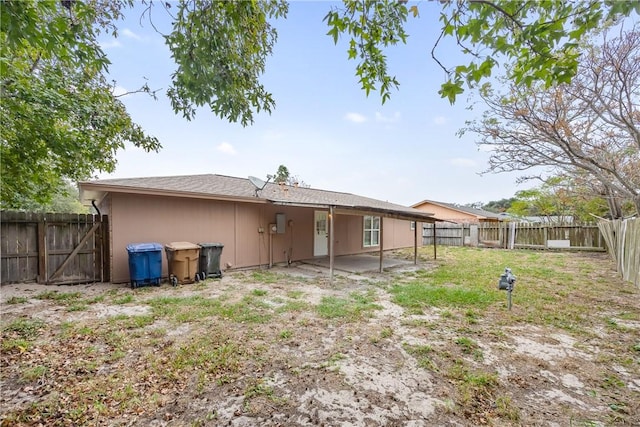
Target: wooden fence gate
54,248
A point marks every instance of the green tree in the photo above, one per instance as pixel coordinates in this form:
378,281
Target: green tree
559,197
220,48
60,119
283,176
499,206
537,39
64,200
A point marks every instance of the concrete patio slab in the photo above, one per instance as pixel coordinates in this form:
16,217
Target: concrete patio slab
362,263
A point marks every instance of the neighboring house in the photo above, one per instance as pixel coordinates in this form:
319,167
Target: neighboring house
458,214
257,226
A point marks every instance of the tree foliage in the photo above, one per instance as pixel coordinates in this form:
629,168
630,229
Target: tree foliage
65,199
539,39
588,129
283,176
220,49
498,206
60,119
559,199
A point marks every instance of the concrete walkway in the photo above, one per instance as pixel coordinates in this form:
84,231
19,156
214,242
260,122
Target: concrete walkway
363,263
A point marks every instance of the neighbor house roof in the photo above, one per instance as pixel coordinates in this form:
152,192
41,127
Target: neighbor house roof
480,213
220,187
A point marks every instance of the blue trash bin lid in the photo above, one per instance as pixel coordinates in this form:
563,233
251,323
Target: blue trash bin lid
143,247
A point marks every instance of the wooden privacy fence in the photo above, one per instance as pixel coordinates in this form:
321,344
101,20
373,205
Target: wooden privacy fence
53,248
513,235
623,241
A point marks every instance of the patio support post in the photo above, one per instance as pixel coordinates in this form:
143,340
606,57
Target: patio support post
381,240
331,243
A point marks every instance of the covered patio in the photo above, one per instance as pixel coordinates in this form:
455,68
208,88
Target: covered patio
361,263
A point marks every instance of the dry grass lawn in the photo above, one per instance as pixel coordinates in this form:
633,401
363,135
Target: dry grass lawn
424,346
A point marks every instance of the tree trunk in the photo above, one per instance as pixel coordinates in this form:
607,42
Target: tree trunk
614,204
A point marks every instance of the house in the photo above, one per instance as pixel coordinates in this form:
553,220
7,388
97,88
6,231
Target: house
257,223
458,214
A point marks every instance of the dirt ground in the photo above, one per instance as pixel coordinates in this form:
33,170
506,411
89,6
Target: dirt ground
123,358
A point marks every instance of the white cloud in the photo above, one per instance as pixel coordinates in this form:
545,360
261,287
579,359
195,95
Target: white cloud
110,44
128,33
462,162
355,117
226,148
118,91
390,119
440,120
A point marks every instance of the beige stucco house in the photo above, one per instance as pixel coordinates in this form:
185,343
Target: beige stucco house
258,225
458,214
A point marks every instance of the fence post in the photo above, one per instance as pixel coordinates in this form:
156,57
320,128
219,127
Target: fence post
512,235
473,236
42,250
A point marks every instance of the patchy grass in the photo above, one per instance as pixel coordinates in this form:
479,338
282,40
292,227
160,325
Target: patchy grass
192,308
265,276
270,348
420,295
355,307
20,334
17,300
423,354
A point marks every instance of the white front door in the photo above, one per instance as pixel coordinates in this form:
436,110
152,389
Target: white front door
321,234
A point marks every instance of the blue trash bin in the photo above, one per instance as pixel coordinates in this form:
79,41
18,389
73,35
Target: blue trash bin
145,264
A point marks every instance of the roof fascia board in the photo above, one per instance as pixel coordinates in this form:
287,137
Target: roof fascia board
387,213
364,210
174,193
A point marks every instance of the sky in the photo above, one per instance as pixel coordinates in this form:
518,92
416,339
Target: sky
324,128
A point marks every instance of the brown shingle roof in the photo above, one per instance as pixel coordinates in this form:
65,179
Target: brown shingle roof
226,186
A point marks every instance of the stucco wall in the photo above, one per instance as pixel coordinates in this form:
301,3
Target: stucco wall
349,229
141,219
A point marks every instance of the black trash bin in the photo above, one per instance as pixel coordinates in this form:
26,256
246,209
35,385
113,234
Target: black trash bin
210,260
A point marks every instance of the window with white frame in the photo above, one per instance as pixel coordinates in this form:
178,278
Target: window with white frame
371,235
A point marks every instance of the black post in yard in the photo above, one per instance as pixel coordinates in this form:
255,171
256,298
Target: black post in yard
434,241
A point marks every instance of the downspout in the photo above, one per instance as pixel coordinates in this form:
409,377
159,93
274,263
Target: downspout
93,203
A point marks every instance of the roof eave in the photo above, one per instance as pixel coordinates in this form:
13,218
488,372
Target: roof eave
93,187
363,210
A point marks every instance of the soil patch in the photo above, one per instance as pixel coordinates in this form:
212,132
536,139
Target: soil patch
290,347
